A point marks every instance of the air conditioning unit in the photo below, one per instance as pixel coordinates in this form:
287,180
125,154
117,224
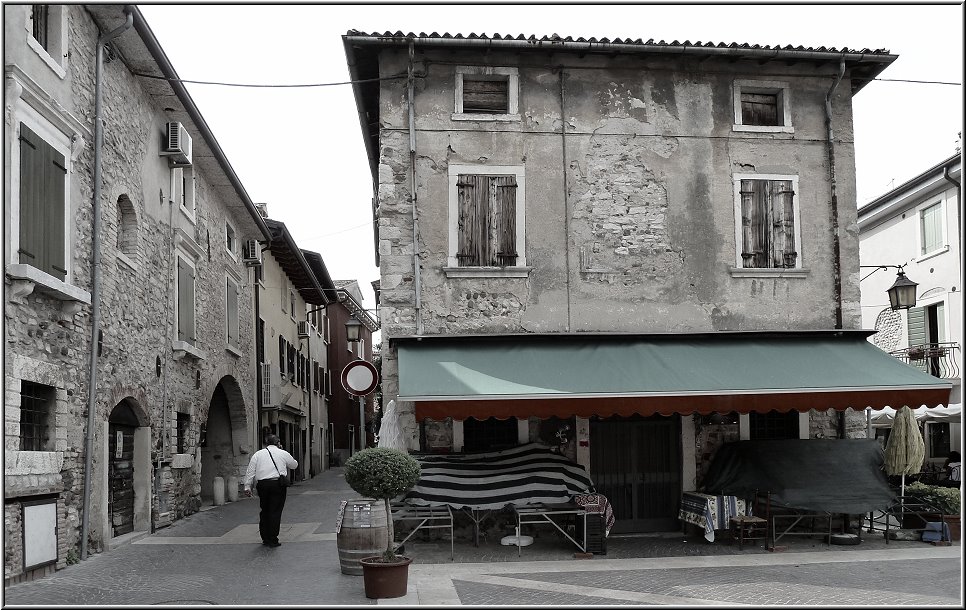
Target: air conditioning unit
271,391
177,144
252,253
305,329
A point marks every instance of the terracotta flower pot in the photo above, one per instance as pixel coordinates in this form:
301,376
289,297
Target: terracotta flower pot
385,580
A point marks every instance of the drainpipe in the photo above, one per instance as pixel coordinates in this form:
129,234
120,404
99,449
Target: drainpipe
96,270
959,205
834,213
834,209
563,145
412,181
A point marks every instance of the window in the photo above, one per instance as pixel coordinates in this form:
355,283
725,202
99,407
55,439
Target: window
926,328
328,382
762,106
284,296
47,35
127,227
487,219
282,355
183,185
937,434
43,178
766,219
39,18
931,228
184,421
773,425
490,434
259,274
231,244
290,365
231,311
186,300
37,407
486,93
291,303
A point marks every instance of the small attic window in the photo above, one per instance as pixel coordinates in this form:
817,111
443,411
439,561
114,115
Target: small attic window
486,93
762,106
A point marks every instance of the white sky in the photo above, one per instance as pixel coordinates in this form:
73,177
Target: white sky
301,150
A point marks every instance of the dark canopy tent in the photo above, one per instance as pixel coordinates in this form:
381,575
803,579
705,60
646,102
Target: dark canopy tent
831,475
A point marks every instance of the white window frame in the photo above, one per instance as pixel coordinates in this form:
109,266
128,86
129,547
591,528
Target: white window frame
944,246
738,270
491,73
187,249
780,88
232,248
55,137
56,57
520,269
232,284
293,304
184,176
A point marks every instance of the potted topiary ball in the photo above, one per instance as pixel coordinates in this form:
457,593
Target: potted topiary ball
384,474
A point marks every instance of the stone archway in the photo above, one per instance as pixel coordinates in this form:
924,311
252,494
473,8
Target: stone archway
224,442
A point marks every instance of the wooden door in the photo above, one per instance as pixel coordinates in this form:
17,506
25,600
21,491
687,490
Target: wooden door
636,463
121,478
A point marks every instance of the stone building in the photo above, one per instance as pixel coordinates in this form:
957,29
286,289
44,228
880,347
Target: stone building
290,347
129,378
632,250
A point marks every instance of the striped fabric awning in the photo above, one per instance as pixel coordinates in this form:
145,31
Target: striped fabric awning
528,474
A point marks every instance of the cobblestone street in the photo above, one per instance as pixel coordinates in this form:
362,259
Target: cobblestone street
214,557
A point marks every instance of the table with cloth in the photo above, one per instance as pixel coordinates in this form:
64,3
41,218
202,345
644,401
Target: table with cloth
710,512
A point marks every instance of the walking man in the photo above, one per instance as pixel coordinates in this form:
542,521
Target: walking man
265,471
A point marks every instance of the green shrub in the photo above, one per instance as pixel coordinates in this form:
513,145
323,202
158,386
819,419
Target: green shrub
382,474
946,499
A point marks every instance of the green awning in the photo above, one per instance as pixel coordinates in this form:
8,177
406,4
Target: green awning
563,375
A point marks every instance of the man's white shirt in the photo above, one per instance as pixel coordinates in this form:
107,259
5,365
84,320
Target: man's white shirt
261,467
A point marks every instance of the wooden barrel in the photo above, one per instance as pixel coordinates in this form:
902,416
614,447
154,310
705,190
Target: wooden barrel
363,533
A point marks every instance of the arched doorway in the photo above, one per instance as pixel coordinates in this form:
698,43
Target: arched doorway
223,434
128,470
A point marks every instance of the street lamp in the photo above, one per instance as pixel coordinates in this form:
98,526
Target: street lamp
353,330
902,294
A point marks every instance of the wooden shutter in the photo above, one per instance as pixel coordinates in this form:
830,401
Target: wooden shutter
759,109
231,295
31,198
505,219
781,206
43,172
186,302
916,332
754,204
291,362
485,96
473,224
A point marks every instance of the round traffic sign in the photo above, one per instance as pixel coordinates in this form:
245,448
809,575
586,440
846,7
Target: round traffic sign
360,377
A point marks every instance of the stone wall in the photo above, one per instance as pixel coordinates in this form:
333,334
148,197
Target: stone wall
46,342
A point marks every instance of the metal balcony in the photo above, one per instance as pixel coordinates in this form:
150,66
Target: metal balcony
936,359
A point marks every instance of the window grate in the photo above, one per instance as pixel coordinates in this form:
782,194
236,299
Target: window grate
36,406
184,420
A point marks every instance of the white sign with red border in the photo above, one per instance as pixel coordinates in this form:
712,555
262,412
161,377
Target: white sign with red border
360,377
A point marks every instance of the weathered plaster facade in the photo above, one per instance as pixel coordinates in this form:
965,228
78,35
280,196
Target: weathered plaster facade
48,324
630,217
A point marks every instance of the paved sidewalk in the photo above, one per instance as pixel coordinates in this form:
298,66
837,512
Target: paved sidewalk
215,557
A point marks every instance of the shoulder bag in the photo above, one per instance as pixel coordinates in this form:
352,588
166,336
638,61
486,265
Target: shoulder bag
282,478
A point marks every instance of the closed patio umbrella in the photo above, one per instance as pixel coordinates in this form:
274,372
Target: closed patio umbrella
390,430
905,449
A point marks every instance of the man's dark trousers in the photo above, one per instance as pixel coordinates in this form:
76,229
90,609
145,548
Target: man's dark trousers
271,500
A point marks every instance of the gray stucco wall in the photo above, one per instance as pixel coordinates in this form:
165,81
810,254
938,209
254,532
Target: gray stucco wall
630,219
